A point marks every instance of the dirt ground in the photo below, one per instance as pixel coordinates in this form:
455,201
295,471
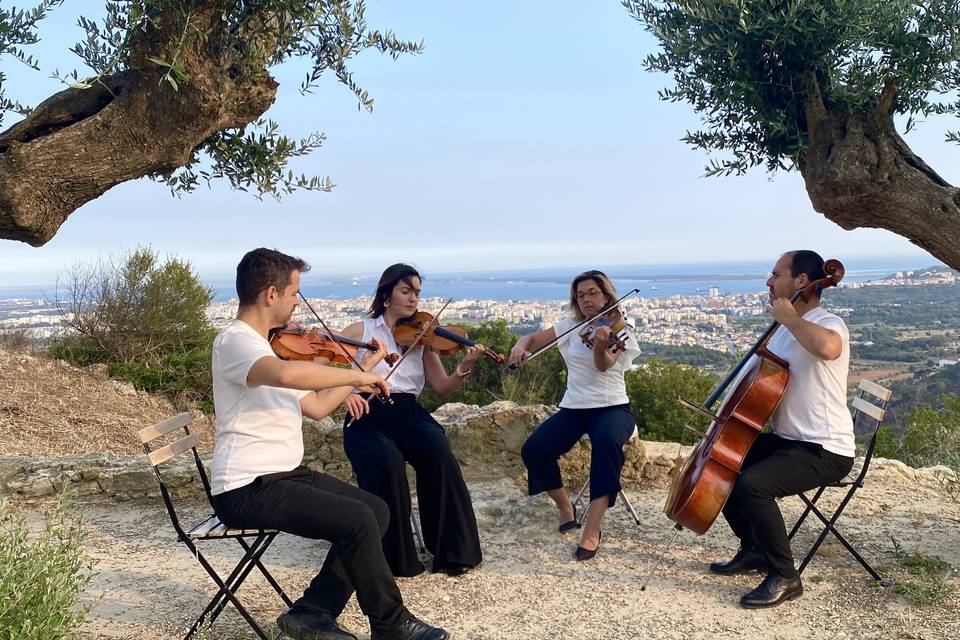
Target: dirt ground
149,586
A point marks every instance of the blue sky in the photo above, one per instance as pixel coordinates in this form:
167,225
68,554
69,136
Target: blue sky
526,135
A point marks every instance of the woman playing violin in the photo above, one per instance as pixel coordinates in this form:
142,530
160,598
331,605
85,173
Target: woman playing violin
383,438
595,403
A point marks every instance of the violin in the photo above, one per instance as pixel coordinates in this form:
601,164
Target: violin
295,342
616,322
444,339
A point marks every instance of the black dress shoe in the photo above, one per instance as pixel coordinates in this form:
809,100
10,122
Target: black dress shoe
452,568
303,625
772,591
745,561
411,629
582,554
570,524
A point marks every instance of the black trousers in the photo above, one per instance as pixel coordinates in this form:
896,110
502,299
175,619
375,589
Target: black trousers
315,505
776,467
379,445
609,429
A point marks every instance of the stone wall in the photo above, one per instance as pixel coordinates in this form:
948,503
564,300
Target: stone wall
486,440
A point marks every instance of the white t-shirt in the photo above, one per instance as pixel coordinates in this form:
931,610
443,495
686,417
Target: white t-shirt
587,386
814,405
409,377
259,429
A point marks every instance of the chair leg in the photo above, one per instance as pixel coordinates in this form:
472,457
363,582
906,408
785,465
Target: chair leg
417,532
236,581
226,588
829,527
266,574
578,503
806,512
629,508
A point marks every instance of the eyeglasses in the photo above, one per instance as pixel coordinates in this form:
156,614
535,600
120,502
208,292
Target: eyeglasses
592,293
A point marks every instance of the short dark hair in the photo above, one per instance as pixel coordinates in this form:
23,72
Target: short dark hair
391,276
808,262
264,268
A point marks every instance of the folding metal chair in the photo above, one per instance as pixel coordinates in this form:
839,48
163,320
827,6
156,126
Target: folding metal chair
211,528
862,408
580,501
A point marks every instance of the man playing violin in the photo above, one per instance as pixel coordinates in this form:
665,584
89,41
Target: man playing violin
383,438
812,440
259,480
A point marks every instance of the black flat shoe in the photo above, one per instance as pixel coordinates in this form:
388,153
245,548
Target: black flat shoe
772,591
745,561
570,524
452,569
582,554
412,629
302,625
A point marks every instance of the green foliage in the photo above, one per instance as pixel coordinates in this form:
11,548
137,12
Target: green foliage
18,28
42,575
653,389
690,355
542,380
146,320
931,436
750,67
249,38
925,579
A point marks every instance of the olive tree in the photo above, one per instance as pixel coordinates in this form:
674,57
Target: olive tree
818,86
173,90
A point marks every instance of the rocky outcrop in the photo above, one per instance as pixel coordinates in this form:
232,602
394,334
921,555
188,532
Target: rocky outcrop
486,441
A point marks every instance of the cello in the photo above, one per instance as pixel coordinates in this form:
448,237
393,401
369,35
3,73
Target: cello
699,492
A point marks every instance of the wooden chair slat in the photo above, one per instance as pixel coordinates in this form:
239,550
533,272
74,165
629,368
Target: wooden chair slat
875,389
204,527
176,422
174,448
871,410
218,531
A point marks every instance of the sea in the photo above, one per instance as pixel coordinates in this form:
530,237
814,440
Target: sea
552,283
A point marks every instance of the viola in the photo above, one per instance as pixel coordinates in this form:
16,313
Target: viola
702,487
295,342
616,322
443,339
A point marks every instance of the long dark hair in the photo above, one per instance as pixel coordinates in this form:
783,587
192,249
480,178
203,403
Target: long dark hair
391,276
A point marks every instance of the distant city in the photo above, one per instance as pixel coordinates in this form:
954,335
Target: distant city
701,319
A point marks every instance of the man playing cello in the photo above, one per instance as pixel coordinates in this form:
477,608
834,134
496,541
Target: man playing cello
812,441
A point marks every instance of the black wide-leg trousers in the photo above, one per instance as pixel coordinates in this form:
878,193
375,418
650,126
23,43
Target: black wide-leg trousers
379,445
776,467
609,429
318,506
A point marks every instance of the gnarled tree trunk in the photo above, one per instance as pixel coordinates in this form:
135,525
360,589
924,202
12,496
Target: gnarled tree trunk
81,142
860,173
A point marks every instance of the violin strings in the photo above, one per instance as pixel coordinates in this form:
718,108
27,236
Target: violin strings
606,309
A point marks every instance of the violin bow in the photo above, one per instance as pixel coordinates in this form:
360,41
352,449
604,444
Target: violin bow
423,331
343,351
603,311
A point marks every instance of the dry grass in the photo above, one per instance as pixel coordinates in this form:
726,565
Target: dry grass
51,408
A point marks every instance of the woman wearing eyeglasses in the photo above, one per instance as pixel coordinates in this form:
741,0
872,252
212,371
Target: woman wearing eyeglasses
595,403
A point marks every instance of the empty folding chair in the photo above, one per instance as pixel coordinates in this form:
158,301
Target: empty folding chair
253,541
864,409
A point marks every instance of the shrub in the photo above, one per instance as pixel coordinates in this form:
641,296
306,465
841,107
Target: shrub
41,575
653,389
146,320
